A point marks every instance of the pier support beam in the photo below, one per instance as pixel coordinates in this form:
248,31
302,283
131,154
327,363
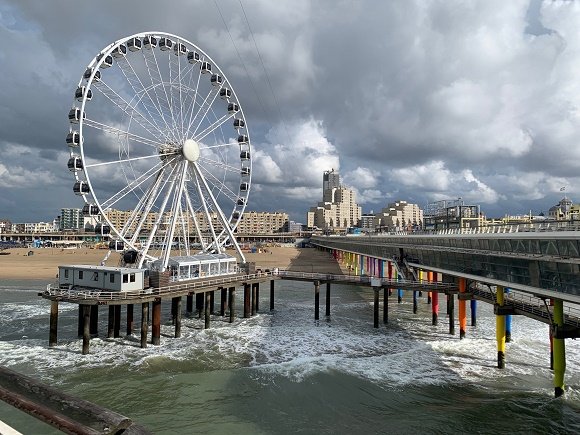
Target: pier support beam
211,302
473,312
199,304
451,311
386,292
257,284
316,300
328,298
144,317
462,309
207,309
376,307
272,295
53,334
232,303
415,302
117,328
500,329
111,322
255,287
435,308
508,323
177,305
80,322
247,297
189,304
156,323
86,328
130,320
94,320
559,350
223,300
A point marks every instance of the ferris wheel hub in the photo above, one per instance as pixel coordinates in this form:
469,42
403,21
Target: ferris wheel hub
190,150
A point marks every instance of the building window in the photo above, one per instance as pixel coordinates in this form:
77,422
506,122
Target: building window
132,277
125,278
66,273
95,276
81,274
112,277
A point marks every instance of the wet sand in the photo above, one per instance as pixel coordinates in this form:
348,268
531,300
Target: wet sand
44,262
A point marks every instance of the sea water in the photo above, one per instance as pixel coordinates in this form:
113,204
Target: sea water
283,372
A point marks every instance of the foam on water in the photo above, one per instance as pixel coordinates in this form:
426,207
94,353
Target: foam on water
290,344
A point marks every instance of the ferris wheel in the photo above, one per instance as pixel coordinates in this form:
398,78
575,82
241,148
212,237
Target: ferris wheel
159,149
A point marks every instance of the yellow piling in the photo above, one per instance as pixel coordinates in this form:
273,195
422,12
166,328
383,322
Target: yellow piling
500,330
559,350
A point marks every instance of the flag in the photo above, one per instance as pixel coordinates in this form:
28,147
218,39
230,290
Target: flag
562,188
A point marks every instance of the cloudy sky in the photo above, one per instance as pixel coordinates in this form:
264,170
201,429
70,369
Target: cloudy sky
418,100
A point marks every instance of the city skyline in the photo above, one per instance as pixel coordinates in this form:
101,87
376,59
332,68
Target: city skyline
473,100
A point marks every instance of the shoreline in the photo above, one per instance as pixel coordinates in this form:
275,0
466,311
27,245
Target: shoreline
43,263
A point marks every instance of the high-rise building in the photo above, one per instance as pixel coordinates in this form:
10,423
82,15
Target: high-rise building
399,215
338,208
71,219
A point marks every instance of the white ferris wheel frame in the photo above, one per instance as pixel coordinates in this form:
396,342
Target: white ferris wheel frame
196,176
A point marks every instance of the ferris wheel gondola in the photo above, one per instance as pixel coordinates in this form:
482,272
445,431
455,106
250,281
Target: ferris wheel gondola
158,137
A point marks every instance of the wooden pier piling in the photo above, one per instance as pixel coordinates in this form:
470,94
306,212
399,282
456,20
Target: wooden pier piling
156,322
111,322
451,311
316,300
247,291
117,327
223,300
86,309
177,316
232,303
189,304
271,295
94,320
211,302
376,307
328,298
207,309
144,323
130,320
386,293
254,299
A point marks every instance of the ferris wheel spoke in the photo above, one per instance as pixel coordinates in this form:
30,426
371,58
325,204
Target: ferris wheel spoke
131,111
219,145
121,133
177,195
206,103
141,210
213,126
133,159
139,89
208,106
221,165
179,87
223,187
132,186
167,99
159,218
204,206
194,98
194,218
225,223
157,81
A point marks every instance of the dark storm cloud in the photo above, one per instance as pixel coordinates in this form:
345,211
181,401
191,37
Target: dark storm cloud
408,99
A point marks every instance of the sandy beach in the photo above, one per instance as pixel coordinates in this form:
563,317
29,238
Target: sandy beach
44,262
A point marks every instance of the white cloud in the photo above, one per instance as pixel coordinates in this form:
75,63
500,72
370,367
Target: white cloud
432,176
362,178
